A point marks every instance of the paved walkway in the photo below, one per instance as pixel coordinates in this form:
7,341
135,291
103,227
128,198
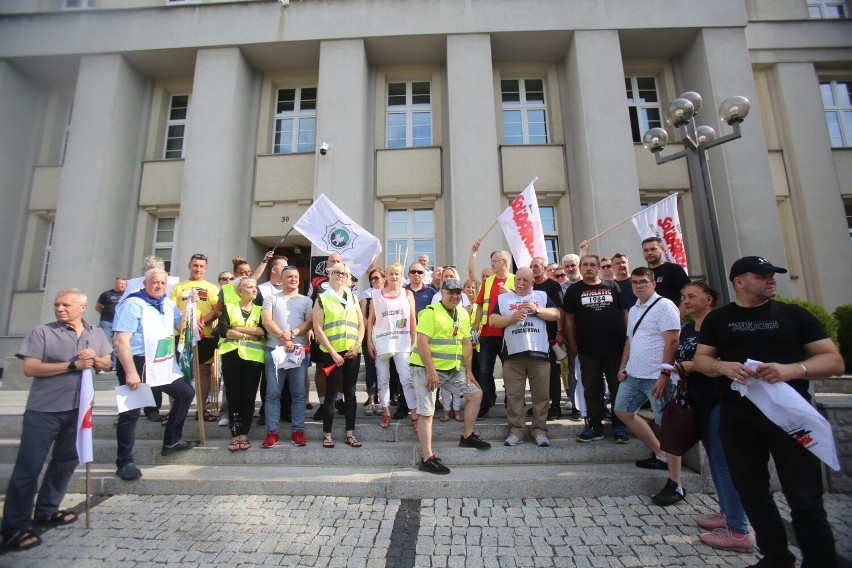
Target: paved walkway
247,531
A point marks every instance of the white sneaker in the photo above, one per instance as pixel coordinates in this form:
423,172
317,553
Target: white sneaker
223,421
541,441
513,440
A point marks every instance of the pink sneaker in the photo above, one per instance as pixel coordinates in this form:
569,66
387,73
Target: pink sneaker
724,540
713,522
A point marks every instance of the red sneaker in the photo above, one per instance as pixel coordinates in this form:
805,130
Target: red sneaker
298,438
271,440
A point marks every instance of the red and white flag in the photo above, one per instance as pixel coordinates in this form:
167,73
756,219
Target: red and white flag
521,223
662,220
84,418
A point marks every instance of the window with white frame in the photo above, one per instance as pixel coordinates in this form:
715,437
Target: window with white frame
409,114
165,240
66,133
295,120
643,104
551,235
77,4
408,234
837,102
826,10
176,127
524,111
48,248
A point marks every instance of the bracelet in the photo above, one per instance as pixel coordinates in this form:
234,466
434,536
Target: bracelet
804,369
715,370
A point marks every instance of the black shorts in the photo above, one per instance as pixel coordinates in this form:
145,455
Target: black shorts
206,347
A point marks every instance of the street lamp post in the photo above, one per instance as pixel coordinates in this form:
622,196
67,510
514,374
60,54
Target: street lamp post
696,141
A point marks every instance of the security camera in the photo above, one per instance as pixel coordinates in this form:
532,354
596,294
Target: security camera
284,3
324,148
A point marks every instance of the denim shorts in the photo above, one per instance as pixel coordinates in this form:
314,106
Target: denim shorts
633,392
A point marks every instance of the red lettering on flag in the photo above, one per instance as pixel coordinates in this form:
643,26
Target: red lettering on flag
87,419
521,217
675,244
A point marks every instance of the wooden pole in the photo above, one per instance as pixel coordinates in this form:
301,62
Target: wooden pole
201,405
88,493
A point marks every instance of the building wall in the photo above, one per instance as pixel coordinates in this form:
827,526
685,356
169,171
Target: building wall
779,190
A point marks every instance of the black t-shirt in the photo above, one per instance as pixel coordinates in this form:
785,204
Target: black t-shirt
704,392
109,300
554,295
627,292
770,333
671,278
598,311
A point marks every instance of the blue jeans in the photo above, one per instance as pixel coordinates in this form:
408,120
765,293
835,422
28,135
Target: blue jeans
106,326
729,499
489,350
125,433
40,431
633,392
275,381
370,375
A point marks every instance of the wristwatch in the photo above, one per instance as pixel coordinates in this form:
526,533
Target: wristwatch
71,366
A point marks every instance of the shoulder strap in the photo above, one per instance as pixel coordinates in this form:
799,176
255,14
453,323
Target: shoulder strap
635,327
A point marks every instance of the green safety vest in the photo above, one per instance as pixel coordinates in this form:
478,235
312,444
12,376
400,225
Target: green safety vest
229,293
446,350
486,299
248,349
340,322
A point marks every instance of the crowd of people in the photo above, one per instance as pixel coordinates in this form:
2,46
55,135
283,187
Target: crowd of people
588,321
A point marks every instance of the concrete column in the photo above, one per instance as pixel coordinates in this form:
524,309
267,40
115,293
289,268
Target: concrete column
20,127
474,164
814,189
100,179
345,120
717,66
218,176
603,183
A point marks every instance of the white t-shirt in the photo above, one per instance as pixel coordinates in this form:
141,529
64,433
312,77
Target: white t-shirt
647,346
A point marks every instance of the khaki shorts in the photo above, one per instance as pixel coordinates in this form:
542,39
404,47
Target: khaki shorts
453,381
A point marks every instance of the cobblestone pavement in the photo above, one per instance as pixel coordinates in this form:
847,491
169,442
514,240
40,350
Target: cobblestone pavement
247,531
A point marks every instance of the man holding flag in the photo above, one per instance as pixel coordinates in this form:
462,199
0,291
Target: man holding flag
57,355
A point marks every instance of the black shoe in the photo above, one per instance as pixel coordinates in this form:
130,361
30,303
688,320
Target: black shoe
652,462
319,416
129,472
575,415
433,465
529,411
261,421
669,495
474,441
309,406
154,416
338,405
394,400
554,413
607,415
179,446
400,413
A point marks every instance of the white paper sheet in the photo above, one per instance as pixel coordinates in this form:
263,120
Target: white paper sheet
129,399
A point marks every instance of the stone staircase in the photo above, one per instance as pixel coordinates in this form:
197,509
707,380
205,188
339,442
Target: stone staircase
384,467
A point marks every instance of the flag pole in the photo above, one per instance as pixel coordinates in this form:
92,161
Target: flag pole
201,406
287,234
88,493
623,221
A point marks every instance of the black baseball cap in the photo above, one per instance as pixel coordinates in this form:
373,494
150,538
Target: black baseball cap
452,284
755,264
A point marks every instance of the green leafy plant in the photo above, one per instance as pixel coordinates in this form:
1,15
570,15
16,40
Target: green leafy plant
828,323
843,317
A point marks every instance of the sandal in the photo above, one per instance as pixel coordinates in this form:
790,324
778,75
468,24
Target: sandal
207,417
59,518
352,441
327,442
445,417
234,446
459,416
245,445
16,541
386,419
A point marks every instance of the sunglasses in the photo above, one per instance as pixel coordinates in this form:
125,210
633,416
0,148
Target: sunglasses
416,272
226,279
606,266
561,275
372,278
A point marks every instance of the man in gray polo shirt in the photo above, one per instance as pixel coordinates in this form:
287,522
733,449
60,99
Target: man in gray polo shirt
54,355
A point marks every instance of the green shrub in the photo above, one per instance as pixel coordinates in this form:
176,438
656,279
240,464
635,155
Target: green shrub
828,323
843,317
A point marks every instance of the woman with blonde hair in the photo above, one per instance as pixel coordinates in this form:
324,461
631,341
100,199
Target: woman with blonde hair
391,328
339,331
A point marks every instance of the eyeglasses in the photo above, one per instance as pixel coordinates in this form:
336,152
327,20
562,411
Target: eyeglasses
495,261
226,279
372,278
288,267
561,275
339,273
606,266
639,283
416,272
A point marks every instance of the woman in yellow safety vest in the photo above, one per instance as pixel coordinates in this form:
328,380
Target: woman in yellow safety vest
241,349
339,330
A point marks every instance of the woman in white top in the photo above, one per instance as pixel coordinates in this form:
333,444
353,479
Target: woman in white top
391,328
